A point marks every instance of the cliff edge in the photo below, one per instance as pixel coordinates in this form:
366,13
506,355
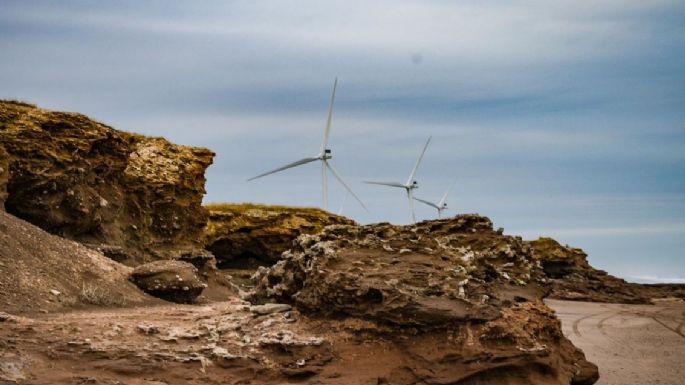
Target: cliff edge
135,198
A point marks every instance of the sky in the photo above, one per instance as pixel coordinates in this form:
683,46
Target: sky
562,119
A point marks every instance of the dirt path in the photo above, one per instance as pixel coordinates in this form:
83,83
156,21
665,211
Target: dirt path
631,344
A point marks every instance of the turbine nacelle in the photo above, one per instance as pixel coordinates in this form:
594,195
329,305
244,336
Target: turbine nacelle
327,154
411,183
440,206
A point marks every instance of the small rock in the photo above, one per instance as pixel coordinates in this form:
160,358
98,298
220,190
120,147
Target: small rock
173,281
148,329
55,292
270,308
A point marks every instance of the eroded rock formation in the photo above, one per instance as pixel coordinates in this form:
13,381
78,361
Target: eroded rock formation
134,196
570,277
469,296
248,235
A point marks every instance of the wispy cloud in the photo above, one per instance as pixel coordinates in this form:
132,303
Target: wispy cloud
561,119
654,279
622,231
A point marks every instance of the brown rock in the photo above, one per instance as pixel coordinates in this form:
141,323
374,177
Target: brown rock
569,276
173,281
40,271
251,234
435,272
460,300
86,181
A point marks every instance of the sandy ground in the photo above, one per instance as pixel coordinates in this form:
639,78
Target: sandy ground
631,344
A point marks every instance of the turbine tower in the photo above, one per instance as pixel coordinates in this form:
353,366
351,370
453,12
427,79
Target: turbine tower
411,183
324,156
440,206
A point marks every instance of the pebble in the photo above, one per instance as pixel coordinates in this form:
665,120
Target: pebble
270,308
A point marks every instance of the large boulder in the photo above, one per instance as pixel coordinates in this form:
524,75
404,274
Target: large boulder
86,181
174,281
435,272
469,296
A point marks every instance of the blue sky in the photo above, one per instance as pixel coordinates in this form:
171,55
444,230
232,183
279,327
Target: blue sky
562,118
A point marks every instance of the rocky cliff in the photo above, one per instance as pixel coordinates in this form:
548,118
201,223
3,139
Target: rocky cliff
133,197
238,233
570,277
466,296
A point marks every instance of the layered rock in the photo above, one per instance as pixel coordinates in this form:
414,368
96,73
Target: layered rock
569,276
86,181
469,296
242,235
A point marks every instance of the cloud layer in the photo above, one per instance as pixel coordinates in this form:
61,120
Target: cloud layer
561,118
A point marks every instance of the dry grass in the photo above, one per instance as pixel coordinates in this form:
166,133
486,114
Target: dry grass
256,206
18,102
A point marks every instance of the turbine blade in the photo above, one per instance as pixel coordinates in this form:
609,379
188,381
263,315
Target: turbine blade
444,197
287,166
431,204
327,130
391,184
418,162
342,182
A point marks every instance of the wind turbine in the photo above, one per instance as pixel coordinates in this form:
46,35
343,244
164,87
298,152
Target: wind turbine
440,206
324,156
410,185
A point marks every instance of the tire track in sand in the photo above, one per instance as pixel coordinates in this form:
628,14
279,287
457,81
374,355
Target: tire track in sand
675,330
577,322
600,324
653,316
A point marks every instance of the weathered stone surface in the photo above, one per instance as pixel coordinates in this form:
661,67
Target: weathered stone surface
86,181
174,281
569,276
434,272
469,296
250,234
269,308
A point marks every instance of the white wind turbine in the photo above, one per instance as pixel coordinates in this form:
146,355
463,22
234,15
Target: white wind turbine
440,206
411,182
324,156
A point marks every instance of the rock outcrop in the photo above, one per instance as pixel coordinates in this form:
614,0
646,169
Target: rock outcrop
174,281
43,272
83,180
570,277
469,296
250,234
